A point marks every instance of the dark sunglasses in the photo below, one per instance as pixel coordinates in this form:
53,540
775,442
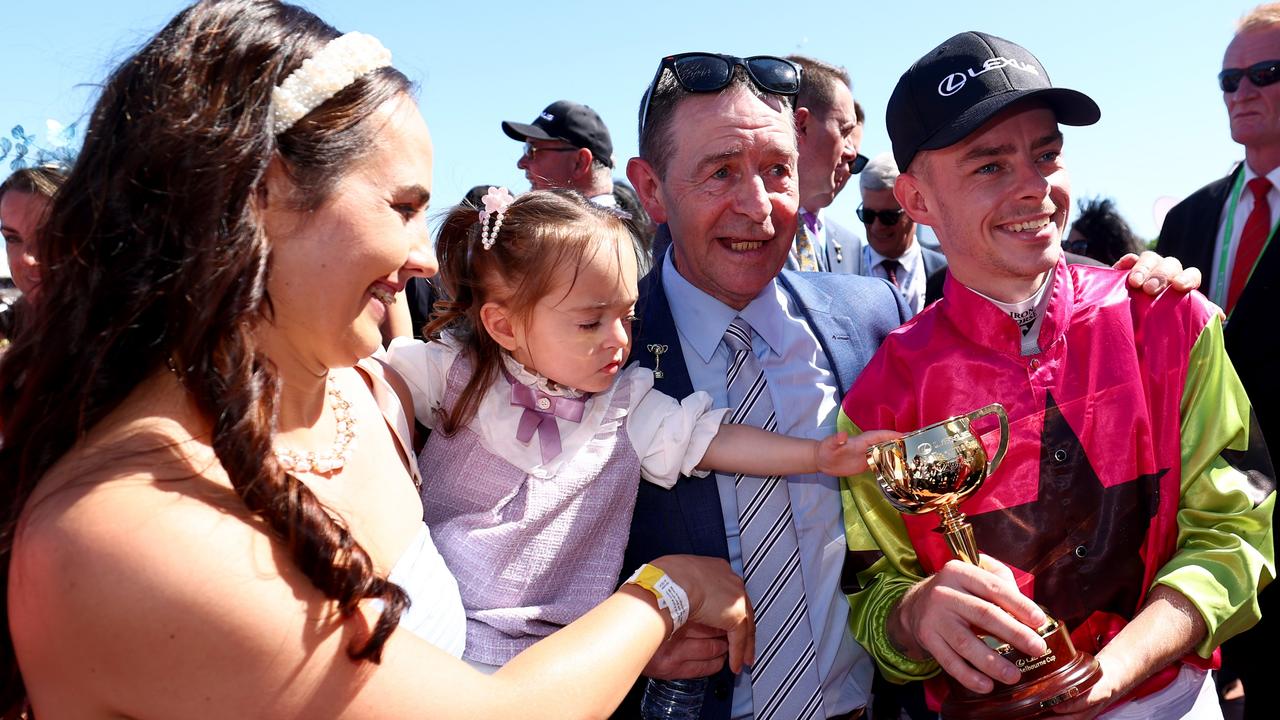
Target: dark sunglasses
1079,247
888,217
858,163
531,151
1260,74
702,72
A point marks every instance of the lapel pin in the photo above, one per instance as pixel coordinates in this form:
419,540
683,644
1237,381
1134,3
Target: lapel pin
657,351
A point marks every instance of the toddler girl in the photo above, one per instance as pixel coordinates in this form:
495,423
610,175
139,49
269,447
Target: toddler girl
540,431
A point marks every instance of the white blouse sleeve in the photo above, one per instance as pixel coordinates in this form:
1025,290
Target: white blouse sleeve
425,367
669,435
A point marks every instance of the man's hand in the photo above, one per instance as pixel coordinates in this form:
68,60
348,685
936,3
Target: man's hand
1110,687
941,616
1167,627
1152,273
694,651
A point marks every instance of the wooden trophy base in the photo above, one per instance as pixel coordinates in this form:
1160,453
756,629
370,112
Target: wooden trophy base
1052,678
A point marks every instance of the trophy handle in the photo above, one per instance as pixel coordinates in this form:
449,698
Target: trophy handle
998,410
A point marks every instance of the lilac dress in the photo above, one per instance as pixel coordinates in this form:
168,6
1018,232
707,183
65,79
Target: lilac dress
535,543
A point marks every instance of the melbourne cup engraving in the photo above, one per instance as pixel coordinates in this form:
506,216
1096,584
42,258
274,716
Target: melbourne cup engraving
934,469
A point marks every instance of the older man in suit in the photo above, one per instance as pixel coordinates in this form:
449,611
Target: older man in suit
829,128
892,251
1227,226
717,167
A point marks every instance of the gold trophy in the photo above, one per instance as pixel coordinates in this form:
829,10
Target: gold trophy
935,469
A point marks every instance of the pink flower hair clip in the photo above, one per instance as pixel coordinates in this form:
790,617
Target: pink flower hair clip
495,201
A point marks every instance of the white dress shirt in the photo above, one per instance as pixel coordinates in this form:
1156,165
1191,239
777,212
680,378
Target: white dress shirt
911,275
1218,289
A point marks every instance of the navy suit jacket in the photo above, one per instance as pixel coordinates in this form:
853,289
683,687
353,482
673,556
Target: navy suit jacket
849,314
1190,234
933,260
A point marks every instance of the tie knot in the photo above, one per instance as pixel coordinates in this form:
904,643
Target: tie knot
890,265
808,221
738,335
1259,186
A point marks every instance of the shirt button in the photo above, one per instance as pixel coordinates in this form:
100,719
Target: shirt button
544,403
1060,455
1081,551
1033,363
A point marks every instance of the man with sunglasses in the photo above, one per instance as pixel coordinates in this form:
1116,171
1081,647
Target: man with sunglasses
717,169
1229,226
892,251
567,146
828,137
1134,502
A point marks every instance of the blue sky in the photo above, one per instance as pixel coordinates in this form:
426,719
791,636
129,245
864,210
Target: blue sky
1150,65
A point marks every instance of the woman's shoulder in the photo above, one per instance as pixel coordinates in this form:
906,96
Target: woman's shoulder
137,491
133,539
126,577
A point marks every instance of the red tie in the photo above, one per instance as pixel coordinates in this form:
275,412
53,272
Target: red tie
1252,239
891,270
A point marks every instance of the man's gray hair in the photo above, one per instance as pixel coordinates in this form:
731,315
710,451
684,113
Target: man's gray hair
879,174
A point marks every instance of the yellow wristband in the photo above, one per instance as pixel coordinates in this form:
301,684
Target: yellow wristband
670,596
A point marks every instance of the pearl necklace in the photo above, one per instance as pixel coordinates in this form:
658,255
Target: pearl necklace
343,443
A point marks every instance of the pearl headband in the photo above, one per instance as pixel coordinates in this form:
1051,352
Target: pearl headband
322,75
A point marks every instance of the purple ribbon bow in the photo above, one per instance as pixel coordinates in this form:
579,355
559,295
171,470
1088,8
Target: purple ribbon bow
540,413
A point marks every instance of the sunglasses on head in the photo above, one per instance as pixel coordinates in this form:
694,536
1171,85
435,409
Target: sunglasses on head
1260,74
702,72
888,217
858,163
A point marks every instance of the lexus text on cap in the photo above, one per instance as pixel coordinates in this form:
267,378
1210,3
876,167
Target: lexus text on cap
964,82
569,122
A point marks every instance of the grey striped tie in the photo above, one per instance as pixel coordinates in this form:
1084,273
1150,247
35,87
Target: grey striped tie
784,679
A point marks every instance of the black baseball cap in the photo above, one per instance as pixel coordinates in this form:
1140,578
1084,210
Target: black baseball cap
963,83
570,122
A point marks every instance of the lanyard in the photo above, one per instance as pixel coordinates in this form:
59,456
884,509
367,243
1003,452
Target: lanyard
1220,288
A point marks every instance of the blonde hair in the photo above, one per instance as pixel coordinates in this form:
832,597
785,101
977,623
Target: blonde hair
1262,17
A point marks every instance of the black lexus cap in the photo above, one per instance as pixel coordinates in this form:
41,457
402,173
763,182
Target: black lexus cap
570,122
964,82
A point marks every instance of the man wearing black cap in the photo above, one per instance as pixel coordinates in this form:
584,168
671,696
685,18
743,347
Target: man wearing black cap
567,146
1134,501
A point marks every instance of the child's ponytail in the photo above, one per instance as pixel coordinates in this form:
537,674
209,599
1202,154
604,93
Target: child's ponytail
457,245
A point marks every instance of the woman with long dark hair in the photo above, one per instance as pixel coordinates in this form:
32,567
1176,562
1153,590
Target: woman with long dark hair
209,496
24,203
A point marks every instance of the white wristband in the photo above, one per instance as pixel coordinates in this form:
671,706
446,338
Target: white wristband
670,596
